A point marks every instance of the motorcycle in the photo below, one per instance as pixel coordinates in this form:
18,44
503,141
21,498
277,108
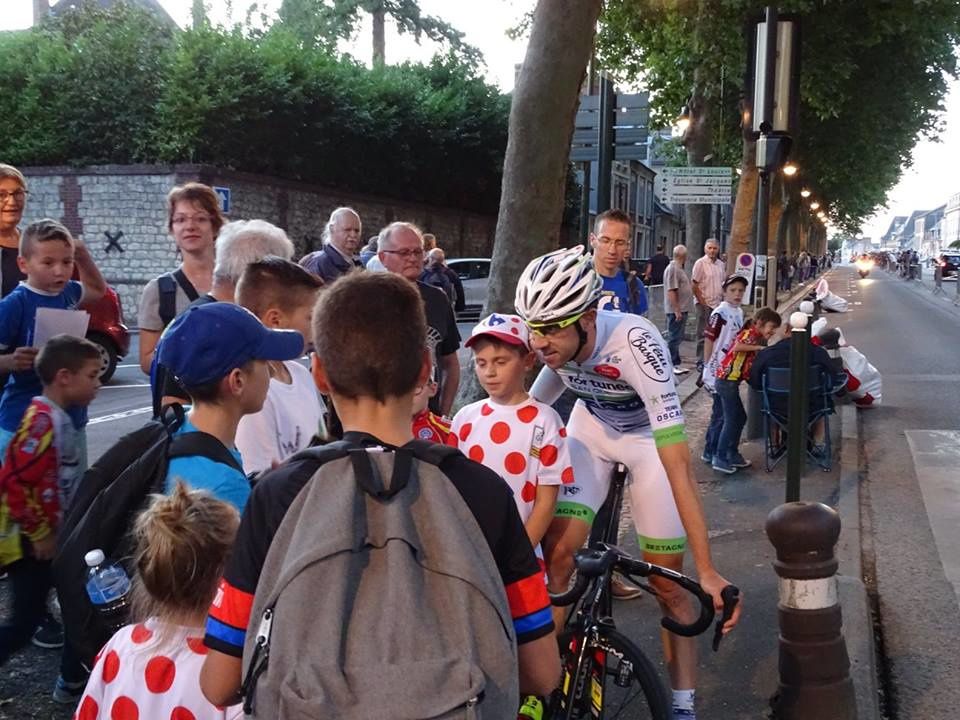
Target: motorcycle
864,266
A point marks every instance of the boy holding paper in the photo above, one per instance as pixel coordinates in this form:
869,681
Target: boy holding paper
48,253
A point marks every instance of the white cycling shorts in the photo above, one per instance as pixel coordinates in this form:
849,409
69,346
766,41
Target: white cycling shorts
594,449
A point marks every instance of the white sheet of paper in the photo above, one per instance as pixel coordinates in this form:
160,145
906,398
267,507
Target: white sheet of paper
52,321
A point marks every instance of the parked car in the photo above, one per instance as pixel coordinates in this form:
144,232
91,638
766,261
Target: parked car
107,331
474,273
949,264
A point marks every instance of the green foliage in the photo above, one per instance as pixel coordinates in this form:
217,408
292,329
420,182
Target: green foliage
116,87
873,79
323,23
83,89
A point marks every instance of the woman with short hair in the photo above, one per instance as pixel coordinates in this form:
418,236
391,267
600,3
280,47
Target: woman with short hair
194,220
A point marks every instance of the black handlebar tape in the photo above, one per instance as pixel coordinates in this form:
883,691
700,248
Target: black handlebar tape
572,595
706,605
731,596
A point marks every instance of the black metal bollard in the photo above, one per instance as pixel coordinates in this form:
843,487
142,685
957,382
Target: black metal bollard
814,665
799,403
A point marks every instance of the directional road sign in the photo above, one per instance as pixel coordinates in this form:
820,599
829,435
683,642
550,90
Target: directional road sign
694,185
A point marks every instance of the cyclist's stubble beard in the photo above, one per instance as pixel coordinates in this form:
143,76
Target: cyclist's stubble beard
572,344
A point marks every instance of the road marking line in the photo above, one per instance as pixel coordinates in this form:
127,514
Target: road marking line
936,454
120,415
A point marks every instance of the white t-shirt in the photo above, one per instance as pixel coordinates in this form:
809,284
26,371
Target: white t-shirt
722,327
291,416
139,675
525,444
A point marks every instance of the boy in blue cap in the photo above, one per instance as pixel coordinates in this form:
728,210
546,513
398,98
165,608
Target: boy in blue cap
219,353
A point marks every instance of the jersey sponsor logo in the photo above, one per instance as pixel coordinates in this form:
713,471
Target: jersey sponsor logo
612,359
570,490
538,433
608,371
649,354
425,433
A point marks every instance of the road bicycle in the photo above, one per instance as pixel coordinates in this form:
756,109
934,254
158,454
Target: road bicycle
605,675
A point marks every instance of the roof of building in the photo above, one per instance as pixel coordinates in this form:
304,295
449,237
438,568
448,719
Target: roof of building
153,6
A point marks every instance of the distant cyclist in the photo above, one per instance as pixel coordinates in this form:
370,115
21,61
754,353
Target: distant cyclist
628,411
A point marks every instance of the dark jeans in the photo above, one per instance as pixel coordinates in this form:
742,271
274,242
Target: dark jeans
713,428
734,418
30,582
675,331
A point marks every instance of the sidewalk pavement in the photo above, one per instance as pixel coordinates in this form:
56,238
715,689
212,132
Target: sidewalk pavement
739,681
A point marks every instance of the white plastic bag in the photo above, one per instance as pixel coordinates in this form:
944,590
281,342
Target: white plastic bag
864,383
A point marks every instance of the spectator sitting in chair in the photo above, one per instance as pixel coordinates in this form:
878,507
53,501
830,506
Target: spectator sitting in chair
778,356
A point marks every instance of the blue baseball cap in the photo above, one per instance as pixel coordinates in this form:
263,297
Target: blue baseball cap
206,342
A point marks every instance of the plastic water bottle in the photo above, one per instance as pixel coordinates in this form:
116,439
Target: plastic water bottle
108,588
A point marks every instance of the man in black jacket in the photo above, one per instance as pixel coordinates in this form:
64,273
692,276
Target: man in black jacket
778,356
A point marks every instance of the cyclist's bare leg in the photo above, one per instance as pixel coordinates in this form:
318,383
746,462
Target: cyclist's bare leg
564,537
679,652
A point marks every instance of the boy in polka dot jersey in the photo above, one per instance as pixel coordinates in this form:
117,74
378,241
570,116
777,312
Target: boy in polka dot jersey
511,433
151,670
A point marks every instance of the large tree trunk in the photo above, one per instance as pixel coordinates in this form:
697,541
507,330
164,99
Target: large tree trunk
544,105
698,141
745,206
379,37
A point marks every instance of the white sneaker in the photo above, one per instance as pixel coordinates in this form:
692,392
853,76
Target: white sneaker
677,370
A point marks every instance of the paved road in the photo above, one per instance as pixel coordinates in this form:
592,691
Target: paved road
912,447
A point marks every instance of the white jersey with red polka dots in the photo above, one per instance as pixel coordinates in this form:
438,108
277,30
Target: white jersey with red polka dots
141,674
525,444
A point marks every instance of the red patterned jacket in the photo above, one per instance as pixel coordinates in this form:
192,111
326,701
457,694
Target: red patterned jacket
29,491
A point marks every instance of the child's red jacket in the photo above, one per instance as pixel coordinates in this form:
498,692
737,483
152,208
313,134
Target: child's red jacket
29,491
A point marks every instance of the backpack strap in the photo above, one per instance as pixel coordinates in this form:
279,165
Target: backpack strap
184,282
432,452
167,291
203,444
167,287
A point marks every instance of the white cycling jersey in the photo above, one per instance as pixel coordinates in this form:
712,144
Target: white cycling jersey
626,383
628,407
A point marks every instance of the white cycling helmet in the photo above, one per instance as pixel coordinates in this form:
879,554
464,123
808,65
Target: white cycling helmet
557,285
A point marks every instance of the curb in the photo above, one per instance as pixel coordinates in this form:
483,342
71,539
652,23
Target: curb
854,599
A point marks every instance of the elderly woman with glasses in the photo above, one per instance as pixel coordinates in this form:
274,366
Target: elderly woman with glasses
13,198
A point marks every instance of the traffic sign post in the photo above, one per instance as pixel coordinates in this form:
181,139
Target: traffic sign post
695,185
224,194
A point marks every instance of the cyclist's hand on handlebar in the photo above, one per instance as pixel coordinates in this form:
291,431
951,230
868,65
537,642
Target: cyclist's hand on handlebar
714,583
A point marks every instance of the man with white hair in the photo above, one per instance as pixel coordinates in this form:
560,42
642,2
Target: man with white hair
240,243
401,252
341,243
677,303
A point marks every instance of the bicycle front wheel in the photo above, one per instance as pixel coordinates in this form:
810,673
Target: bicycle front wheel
616,681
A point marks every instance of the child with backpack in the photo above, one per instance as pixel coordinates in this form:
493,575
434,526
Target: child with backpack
405,623
39,476
220,353
282,294
519,438
151,669
734,368
48,254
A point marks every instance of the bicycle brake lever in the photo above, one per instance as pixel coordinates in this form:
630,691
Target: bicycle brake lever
731,596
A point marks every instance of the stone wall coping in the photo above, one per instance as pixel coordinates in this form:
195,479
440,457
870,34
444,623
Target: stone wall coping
213,175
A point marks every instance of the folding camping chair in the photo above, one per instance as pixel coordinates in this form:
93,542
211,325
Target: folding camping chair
775,395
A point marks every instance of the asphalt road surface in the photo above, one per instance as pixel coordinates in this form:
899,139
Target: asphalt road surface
912,447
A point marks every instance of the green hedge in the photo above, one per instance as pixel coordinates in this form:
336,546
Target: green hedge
118,86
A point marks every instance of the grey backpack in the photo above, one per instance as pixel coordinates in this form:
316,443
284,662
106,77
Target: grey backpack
380,600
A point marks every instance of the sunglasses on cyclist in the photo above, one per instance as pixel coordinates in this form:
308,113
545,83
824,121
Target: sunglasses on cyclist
546,329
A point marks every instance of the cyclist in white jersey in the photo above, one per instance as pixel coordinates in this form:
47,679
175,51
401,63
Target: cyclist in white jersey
628,411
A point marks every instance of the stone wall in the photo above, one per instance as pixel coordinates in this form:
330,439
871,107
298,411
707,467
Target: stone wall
94,201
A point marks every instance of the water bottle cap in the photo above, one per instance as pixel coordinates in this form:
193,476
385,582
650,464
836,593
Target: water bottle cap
94,558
